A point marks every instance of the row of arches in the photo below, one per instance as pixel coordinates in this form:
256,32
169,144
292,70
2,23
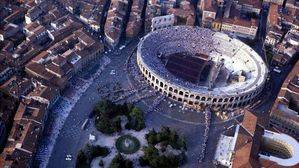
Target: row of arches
190,98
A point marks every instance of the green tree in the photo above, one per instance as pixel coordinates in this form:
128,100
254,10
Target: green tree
136,120
81,161
119,162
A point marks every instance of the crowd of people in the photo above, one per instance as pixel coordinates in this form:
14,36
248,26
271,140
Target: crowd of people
205,135
167,41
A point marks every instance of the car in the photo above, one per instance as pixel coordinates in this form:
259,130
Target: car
276,69
122,47
83,127
112,72
68,159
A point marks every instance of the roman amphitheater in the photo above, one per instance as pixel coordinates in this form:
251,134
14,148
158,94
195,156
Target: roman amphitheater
200,67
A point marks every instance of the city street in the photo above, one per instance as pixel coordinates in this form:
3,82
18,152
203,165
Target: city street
71,137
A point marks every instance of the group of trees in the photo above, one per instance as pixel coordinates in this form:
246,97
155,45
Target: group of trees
135,120
154,158
166,136
88,153
108,117
120,162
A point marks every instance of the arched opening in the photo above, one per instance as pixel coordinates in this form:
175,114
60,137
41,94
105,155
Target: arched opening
231,99
226,100
161,84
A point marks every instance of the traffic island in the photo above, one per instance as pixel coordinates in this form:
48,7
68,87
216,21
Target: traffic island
127,144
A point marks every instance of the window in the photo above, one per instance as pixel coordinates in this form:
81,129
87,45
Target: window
231,99
226,99
186,94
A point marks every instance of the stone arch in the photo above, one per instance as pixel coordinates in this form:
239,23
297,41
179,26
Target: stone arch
161,84
181,93
226,99
231,99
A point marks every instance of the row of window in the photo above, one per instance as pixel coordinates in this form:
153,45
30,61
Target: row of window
195,99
